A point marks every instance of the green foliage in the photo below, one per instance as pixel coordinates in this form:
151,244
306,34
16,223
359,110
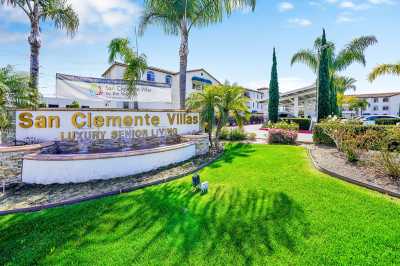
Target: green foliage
350,146
205,103
384,69
74,104
174,16
387,121
273,103
369,137
324,105
320,137
233,134
304,123
216,104
179,17
136,64
354,52
389,163
283,125
15,92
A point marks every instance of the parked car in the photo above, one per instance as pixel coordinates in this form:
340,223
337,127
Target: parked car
371,119
284,114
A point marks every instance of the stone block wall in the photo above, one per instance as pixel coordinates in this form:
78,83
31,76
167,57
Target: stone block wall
11,160
201,141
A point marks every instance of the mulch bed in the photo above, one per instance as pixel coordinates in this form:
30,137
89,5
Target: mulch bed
362,173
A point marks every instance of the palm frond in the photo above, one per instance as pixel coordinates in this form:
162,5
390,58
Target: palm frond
307,57
354,52
343,83
62,14
117,47
384,69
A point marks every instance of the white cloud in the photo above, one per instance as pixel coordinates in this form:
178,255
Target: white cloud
92,13
12,14
354,6
110,13
381,2
285,6
347,17
300,22
11,37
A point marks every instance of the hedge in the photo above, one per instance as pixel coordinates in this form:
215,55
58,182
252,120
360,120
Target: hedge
387,121
392,133
304,123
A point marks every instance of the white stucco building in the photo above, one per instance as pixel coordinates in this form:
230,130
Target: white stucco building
378,104
255,103
302,102
160,81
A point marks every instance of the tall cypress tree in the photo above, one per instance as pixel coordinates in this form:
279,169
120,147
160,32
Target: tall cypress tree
273,104
324,101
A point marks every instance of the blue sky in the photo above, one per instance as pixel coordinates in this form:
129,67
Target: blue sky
238,50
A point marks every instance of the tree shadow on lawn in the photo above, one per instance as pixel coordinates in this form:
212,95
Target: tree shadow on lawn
225,224
232,152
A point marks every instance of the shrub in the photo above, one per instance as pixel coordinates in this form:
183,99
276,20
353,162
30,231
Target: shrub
74,104
281,136
252,136
387,121
320,137
283,125
351,148
304,123
331,132
235,134
390,163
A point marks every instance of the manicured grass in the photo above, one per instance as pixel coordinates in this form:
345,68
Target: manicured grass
266,205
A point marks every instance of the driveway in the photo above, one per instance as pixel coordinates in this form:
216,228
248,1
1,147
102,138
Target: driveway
262,135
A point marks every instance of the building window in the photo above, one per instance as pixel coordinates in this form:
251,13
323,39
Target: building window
151,76
386,100
126,105
53,106
385,108
376,108
376,100
168,79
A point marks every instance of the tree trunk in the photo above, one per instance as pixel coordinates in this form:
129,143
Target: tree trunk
34,42
210,135
218,133
183,57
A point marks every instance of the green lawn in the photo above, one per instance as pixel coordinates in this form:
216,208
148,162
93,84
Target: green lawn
266,205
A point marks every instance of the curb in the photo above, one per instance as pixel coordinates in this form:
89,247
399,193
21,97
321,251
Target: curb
110,193
367,185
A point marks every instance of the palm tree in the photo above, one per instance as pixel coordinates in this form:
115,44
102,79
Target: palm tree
384,69
178,17
58,11
15,93
343,83
354,52
136,64
205,103
232,103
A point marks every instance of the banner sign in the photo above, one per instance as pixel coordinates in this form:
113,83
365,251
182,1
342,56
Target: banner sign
85,124
85,88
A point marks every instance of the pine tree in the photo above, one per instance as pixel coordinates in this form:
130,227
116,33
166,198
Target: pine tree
324,101
273,104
